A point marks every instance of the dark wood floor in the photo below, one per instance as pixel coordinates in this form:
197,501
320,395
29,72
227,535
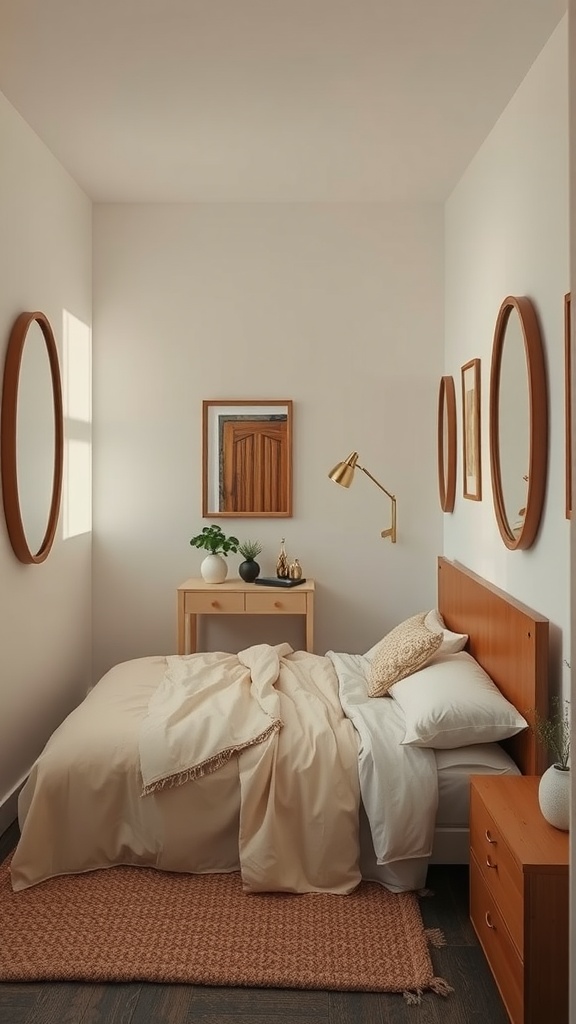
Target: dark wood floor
461,962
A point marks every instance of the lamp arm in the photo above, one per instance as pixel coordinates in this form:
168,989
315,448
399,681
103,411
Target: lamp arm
374,480
391,532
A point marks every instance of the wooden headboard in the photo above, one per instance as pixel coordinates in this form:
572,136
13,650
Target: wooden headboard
509,640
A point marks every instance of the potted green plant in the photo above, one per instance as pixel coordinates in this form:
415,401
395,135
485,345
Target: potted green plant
249,570
213,540
553,731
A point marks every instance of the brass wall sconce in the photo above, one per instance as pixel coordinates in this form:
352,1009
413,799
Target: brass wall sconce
343,474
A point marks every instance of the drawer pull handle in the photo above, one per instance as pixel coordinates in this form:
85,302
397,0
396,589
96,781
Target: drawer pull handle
489,837
277,604
215,604
490,863
488,920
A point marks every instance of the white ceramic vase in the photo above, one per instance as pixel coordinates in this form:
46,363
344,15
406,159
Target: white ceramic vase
214,569
554,797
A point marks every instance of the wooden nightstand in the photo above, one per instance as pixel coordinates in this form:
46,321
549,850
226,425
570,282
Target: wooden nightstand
234,597
519,896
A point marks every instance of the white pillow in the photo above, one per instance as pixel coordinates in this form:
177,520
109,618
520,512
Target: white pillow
476,759
452,643
452,702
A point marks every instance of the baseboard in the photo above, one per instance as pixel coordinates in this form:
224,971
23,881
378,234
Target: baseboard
9,806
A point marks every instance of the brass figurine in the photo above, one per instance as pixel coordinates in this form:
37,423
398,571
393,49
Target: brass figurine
282,563
295,570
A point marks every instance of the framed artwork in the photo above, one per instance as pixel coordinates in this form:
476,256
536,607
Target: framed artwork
471,457
568,403
247,458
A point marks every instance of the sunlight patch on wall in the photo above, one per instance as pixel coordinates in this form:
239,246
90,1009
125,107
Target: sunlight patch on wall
77,400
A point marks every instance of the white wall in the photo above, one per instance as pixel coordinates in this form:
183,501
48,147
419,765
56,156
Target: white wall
45,264
338,307
507,234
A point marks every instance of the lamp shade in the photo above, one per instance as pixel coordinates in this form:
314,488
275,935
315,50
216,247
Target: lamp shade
343,472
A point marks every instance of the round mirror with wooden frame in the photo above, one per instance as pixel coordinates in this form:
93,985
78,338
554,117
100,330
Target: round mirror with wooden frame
518,422
32,437
447,443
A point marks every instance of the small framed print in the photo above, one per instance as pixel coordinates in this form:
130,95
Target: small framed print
568,402
471,457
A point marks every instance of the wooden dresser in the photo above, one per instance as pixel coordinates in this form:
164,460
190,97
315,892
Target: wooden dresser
519,897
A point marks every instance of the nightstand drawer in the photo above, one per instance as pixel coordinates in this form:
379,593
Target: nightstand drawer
277,603
224,603
500,872
497,944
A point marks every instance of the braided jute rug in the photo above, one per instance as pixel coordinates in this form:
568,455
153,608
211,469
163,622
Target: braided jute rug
137,924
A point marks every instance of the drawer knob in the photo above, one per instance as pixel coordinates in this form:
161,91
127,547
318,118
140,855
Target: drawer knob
489,837
277,604
490,863
214,604
488,920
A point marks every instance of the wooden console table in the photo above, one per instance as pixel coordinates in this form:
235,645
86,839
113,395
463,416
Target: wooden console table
234,597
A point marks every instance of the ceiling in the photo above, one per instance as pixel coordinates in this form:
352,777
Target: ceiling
267,100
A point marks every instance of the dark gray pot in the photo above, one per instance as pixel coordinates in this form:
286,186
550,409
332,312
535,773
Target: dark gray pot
248,570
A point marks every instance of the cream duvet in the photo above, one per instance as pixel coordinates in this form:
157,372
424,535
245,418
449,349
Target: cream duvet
208,763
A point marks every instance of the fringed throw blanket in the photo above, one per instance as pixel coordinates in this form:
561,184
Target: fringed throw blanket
278,711
206,709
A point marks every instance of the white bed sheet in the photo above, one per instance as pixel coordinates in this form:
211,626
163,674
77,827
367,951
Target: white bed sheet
454,770
398,784
443,805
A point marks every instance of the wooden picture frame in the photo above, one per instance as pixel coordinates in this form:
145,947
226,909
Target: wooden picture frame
471,452
568,401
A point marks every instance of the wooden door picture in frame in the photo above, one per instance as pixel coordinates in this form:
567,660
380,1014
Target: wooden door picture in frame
471,453
247,458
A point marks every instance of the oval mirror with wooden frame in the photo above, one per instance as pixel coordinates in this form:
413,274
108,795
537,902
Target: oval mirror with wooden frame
518,422
447,443
32,447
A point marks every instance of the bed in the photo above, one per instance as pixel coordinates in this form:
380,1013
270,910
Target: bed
293,774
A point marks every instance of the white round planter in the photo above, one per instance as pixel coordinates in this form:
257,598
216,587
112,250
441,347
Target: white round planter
214,569
554,797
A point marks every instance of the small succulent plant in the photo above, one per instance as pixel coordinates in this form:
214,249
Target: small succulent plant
250,549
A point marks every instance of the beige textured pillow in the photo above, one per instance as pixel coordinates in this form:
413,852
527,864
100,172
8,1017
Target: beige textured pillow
402,651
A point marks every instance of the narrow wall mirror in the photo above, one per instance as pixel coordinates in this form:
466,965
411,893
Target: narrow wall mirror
447,443
518,422
32,441
568,400
247,458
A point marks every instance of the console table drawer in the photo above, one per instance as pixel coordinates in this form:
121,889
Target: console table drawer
222,603
276,604
198,599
